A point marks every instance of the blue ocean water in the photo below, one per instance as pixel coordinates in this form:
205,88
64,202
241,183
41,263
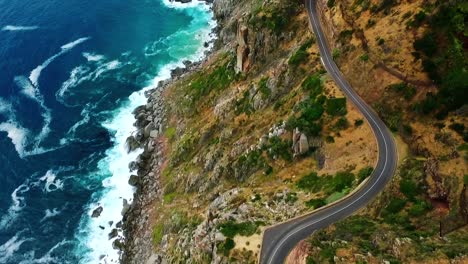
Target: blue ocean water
71,73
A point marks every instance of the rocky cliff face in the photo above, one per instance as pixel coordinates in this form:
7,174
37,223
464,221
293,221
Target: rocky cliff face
258,133
223,161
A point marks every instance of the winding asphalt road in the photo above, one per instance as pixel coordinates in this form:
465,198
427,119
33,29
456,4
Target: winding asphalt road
280,239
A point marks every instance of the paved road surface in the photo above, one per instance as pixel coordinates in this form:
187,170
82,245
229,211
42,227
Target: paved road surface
279,240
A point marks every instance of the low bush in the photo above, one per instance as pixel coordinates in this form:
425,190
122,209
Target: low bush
364,173
230,229
301,54
226,246
315,203
336,106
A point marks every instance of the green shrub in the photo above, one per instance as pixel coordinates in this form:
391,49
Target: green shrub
218,79
330,3
404,89
336,53
279,148
336,106
342,123
170,133
342,180
444,57
309,182
364,57
226,246
395,206
230,229
358,122
364,173
356,226
157,233
291,197
419,208
315,203
313,85
380,41
409,188
301,54
263,88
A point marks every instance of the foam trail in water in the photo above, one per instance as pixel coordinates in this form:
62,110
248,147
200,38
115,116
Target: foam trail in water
36,73
16,206
8,249
50,213
31,91
17,134
92,56
30,88
50,257
51,184
83,73
19,28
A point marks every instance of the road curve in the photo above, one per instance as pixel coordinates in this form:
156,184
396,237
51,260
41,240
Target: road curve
280,239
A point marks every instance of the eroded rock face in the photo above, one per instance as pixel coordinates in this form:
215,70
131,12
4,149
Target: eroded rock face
243,50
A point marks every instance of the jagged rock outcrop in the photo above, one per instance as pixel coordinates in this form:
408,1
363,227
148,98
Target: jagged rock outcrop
243,50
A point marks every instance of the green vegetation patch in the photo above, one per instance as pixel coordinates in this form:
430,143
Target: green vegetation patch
444,57
158,233
316,203
336,106
407,91
216,80
301,55
230,229
328,183
226,246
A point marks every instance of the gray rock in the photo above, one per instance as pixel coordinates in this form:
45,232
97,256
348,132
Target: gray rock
133,180
97,212
154,133
113,233
303,144
126,207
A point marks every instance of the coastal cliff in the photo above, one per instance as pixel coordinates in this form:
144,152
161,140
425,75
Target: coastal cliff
258,133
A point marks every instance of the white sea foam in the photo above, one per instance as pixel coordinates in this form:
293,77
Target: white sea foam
48,213
50,182
92,56
78,75
84,73
17,203
8,249
75,43
30,88
47,258
36,73
20,136
70,135
19,28
17,134
31,91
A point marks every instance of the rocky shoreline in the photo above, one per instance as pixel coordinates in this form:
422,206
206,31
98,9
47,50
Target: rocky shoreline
150,123
136,246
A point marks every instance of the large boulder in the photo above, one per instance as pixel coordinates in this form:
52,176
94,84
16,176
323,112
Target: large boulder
303,144
97,212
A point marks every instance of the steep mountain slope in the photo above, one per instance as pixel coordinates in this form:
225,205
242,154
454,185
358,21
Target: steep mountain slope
259,133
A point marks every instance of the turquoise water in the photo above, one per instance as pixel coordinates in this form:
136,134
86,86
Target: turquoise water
72,73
